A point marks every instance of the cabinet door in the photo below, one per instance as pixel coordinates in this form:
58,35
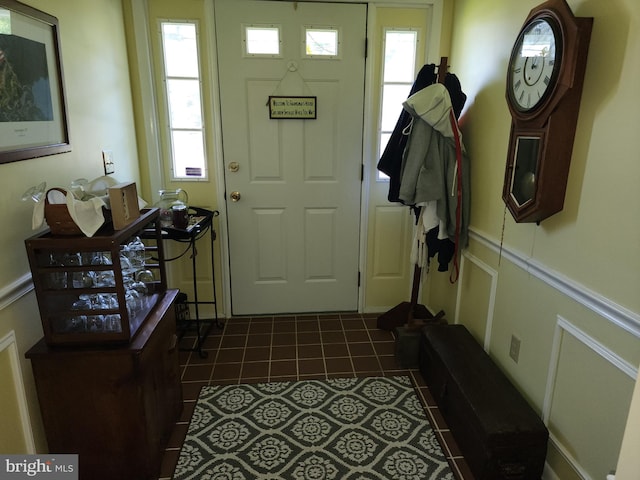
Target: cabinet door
160,382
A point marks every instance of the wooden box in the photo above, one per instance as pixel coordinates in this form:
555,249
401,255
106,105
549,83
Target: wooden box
123,199
499,434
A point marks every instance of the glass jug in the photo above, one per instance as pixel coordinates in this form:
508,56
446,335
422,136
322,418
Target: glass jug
169,199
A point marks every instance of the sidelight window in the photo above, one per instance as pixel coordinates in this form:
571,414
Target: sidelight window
398,75
183,92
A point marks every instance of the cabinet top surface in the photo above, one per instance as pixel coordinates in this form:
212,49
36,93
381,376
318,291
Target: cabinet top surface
105,236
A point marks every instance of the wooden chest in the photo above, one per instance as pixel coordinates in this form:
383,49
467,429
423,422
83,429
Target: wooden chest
499,434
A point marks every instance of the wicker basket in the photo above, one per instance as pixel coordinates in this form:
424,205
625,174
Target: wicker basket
58,217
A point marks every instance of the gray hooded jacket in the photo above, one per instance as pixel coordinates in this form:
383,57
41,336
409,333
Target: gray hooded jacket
429,168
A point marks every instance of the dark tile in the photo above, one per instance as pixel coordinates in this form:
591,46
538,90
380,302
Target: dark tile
197,372
311,366
230,355
335,350
353,324
357,336
284,326
330,325
230,341
381,336
333,337
310,351
339,365
305,338
286,352
284,339
255,370
283,368
227,371
259,340
365,364
361,349
260,327
389,363
384,348
254,354
235,329
307,326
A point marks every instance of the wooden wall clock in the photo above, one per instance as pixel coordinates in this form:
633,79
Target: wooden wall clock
544,86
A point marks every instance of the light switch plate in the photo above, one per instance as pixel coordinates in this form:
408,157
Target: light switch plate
107,159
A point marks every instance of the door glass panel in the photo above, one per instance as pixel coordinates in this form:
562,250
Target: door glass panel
262,40
321,42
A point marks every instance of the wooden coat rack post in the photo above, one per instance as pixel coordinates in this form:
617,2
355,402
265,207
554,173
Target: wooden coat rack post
412,314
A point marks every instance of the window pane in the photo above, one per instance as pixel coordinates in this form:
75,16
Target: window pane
392,98
180,49
184,103
262,40
400,56
188,153
321,42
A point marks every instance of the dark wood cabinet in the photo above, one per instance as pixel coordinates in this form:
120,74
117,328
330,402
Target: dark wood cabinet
113,405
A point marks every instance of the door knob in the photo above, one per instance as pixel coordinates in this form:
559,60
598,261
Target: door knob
234,167
235,196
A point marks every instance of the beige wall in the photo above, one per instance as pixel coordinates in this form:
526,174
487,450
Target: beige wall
100,116
568,289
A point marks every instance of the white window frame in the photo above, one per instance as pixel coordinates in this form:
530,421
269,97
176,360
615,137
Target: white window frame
168,128
381,177
332,28
245,50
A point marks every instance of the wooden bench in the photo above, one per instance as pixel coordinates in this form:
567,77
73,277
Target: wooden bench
499,434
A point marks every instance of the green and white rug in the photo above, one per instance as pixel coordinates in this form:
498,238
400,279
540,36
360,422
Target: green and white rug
344,429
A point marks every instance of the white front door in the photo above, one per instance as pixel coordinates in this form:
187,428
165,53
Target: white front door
294,225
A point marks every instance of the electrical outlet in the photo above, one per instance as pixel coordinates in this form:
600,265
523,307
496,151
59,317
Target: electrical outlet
107,159
514,349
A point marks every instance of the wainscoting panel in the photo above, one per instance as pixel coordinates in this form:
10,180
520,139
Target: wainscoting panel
476,312
14,417
576,400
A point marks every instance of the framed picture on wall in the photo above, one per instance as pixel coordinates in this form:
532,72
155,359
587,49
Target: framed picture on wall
33,113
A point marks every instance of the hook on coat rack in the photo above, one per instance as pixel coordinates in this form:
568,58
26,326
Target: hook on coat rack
443,69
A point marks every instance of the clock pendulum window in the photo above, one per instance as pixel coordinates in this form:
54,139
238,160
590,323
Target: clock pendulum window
544,85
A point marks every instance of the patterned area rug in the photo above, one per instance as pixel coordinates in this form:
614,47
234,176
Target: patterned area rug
348,428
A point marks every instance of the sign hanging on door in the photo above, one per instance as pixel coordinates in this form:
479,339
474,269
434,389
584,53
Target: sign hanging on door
281,107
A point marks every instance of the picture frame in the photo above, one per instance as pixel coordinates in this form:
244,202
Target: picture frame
33,110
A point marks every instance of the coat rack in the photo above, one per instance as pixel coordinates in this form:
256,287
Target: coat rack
412,314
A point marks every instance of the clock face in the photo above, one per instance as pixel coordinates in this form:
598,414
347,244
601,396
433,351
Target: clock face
534,64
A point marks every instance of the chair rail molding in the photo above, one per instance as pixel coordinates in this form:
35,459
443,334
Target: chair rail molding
605,307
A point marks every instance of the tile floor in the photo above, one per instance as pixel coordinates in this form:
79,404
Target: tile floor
284,348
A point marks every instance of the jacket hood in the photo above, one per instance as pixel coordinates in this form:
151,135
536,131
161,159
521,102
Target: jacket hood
432,104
